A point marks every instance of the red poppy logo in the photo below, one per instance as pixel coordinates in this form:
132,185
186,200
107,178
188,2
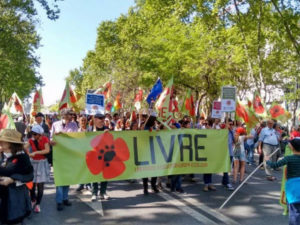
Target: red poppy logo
276,111
108,156
15,161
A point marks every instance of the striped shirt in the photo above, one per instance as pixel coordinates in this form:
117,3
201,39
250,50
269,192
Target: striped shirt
293,165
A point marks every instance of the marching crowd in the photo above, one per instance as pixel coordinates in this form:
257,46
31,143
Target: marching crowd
27,167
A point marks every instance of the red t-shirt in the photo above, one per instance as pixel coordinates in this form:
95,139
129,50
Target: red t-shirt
295,133
42,141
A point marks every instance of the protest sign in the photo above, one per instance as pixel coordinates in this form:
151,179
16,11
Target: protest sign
86,157
228,98
94,104
216,110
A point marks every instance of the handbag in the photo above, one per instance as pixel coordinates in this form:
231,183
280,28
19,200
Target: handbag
18,203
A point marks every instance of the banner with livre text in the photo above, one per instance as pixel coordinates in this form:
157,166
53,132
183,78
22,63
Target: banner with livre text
98,156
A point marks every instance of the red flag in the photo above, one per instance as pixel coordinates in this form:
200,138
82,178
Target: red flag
3,121
37,103
15,104
241,112
138,99
105,90
174,105
163,105
67,98
249,103
117,103
133,116
257,104
188,103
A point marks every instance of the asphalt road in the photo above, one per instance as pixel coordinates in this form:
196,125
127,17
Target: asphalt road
255,204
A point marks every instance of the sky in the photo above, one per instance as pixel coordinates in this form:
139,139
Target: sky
66,41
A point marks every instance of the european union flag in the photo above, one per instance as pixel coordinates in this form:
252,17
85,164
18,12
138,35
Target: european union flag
155,91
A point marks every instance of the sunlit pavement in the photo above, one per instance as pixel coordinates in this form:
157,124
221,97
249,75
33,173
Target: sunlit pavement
256,203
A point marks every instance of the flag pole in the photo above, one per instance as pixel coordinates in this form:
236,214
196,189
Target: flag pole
247,178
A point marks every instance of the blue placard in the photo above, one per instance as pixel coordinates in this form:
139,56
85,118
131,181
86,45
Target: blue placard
94,104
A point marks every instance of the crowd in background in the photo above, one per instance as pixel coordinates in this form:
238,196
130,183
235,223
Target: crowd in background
37,133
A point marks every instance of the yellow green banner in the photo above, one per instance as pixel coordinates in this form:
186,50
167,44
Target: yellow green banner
86,157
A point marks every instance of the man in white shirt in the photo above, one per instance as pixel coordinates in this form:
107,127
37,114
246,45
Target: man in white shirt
268,142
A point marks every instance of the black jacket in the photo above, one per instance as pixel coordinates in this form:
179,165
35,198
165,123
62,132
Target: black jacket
18,167
15,202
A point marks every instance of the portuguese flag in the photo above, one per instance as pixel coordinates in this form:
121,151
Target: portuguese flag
68,98
188,105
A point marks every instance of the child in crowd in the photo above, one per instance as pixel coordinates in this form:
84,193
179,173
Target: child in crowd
292,185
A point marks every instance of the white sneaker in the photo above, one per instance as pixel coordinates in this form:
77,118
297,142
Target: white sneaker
229,187
94,198
104,196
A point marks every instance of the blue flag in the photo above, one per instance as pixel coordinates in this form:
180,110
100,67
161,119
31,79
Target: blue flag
155,91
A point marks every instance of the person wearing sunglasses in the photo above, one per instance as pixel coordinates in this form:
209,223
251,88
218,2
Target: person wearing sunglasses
64,125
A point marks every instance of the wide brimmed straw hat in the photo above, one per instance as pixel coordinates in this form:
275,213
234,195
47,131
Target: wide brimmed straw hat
11,136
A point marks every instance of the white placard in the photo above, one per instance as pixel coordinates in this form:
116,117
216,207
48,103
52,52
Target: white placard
94,103
228,98
216,110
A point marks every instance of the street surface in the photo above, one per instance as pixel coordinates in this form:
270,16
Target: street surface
256,203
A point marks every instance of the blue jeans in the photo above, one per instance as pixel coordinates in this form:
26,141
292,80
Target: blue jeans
225,179
176,182
207,178
294,214
250,152
62,193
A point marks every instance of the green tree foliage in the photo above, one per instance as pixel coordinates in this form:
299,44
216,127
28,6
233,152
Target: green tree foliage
204,44
18,42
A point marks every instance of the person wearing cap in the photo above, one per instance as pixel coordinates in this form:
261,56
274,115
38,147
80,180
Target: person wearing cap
21,126
15,171
292,186
99,126
268,142
37,147
239,153
63,126
39,120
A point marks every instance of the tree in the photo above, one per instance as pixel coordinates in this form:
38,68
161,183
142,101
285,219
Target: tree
18,42
204,44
